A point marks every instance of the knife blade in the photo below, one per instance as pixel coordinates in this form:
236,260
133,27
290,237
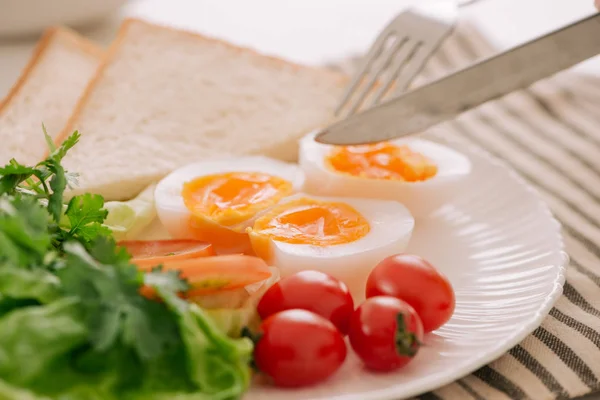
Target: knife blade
491,78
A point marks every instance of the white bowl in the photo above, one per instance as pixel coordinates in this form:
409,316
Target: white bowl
28,17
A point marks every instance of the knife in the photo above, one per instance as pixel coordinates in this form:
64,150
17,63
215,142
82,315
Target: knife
445,98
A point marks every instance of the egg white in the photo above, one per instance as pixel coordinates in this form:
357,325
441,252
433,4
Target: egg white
421,198
170,206
391,227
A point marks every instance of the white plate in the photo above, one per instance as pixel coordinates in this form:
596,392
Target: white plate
503,252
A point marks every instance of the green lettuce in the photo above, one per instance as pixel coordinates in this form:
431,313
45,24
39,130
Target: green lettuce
127,219
44,355
37,284
9,392
77,318
20,287
33,338
219,364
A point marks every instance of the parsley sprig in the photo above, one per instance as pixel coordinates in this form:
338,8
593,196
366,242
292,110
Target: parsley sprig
76,317
39,231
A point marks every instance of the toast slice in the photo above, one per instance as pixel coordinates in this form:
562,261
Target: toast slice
46,92
164,98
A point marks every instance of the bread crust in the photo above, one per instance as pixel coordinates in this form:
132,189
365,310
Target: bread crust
49,35
122,33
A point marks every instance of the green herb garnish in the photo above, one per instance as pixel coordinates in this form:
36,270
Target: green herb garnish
74,323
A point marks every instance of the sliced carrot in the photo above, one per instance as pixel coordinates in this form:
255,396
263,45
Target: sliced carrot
208,275
218,273
149,253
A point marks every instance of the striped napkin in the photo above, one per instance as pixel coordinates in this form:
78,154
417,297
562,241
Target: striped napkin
550,134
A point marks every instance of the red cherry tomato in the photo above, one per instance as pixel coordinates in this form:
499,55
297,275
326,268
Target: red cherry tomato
313,291
386,333
417,282
299,348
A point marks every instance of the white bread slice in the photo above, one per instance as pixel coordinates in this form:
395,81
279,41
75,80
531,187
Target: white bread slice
164,98
46,92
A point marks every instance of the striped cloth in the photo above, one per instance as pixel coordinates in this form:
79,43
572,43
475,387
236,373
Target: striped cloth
550,134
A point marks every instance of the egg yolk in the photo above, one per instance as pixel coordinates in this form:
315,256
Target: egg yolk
219,205
382,161
308,221
233,197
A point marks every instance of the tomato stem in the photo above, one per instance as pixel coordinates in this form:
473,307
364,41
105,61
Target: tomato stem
407,343
255,337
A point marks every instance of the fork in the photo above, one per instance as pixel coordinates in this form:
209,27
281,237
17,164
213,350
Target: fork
402,48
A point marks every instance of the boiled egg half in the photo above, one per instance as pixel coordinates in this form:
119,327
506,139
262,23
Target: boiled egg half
421,174
344,237
215,201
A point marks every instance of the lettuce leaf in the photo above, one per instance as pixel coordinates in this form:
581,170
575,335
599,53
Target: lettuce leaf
75,323
44,355
217,364
10,392
21,287
127,219
24,237
34,284
32,338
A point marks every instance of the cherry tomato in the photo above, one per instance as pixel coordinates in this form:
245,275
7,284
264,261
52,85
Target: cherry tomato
386,333
313,291
299,348
150,253
417,282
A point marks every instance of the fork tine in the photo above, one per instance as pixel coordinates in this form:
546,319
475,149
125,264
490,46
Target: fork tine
401,60
424,53
385,62
365,64
422,29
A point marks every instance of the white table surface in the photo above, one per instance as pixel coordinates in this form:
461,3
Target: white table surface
314,31
317,31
